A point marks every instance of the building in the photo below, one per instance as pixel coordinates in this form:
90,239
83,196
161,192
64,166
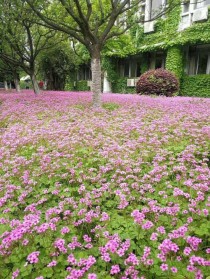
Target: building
178,41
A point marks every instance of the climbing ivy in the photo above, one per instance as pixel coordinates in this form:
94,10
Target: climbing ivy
197,86
120,86
166,37
165,31
174,61
109,67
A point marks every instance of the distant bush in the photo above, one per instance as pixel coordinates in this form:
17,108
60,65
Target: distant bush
158,82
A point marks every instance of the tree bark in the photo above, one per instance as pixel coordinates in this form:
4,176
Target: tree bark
96,76
17,84
35,84
5,85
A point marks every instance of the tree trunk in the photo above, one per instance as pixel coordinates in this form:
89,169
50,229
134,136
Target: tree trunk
96,76
5,85
17,84
35,84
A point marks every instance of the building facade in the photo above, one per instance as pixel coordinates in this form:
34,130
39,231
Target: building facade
179,41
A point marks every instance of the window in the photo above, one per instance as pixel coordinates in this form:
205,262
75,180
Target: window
202,3
84,73
187,14
157,60
199,60
142,10
202,63
186,6
123,67
126,68
156,6
138,69
130,67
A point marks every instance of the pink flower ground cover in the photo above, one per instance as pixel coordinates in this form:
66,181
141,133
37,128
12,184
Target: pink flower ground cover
120,192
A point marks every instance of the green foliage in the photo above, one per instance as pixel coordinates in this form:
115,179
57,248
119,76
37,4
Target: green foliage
150,146
69,86
120,86
197,86
24,84
56,64
167,37
81,85
165,32
110,106
174,61
109,67
122,45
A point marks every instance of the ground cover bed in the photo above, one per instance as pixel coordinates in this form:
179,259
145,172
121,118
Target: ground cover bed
119,192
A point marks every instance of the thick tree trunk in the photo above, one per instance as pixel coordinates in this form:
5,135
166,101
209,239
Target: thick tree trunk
17,84
35,84
96,76
5,85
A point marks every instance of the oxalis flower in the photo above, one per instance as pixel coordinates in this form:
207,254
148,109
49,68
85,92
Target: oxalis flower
33,257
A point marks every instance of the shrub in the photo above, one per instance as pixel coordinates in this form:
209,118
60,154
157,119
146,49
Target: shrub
158,82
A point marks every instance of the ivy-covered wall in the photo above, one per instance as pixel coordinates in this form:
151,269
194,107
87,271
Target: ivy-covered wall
167,38
174,61
120,86
197,86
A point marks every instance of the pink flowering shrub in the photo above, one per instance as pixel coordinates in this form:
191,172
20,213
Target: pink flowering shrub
111,193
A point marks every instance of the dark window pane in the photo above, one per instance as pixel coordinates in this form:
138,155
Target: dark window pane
202,63
186,7
192,61
138,69
126,68
158,63
159,60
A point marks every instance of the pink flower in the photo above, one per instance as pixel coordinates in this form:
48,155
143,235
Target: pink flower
53,263
187,251
115,269
148,225
15,274
174,269
65,230
92,276
161,230
33,257
164,267
104,216
153,236
25,242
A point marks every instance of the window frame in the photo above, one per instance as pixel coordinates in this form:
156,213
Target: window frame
194,59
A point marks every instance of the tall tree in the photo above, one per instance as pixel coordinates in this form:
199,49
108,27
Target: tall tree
92,23
56,64
9,71
22,37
